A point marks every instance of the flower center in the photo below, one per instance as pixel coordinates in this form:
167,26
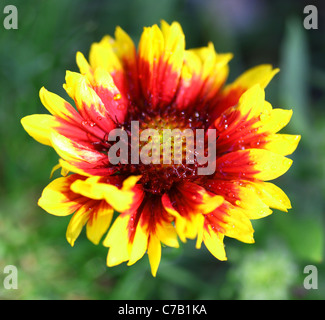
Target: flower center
166,149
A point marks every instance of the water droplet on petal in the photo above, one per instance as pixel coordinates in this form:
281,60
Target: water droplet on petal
117,96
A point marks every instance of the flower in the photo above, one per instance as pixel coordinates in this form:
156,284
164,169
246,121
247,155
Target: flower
161,85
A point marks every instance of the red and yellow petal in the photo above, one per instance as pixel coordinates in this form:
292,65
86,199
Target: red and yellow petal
88,102
284,144
118,58
251,164
102,55
117,240
237,225
99,221
214,243
98,188
203,74
58,198
40,127
271,195
230,95
142,228
96,215
253,124
160,60
57,106
65,120
242,194
106,89
90,125
78,157
187,203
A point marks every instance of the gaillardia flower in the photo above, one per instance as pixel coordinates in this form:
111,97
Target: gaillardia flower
163,90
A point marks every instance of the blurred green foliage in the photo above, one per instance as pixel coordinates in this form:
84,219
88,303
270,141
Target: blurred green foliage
44,46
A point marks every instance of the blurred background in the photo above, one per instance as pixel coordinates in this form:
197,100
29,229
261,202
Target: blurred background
257,31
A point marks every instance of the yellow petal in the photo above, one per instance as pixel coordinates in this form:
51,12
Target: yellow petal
123,45
237,225
79,89
214,243
119,199
101,218
272,195
57,199
78,220
275,120
283,144
269,164
251,204
103,79
56,167
84,66
72,80
180,222
39,127
261,75
102,55
210,203
117,254
117,241
64,172
139,245
166,233
251,103
151,44
174,41
154,253
72,151
200,232
57,105
213,63
68,167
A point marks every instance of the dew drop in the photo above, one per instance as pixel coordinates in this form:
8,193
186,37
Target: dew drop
117,96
